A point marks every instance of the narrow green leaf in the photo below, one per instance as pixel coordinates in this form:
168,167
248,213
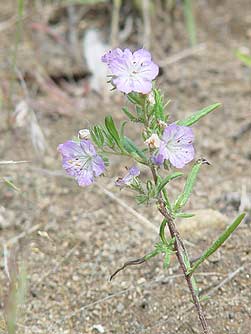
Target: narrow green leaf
111,128
190,22
140,199
131,148
167,260
109,141
140,113
217,243
195,286
131,117
167,179
162,231
166,199
122,129
198,115
158,107
184,215
11,184
246,59
151,254
183,198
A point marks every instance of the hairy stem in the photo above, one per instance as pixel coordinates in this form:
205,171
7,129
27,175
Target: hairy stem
181,253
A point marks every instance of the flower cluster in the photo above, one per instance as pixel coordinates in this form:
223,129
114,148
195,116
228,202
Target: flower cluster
131,72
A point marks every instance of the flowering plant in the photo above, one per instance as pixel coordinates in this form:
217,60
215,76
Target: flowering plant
165,147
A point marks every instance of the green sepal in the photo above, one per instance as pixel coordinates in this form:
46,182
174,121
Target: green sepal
137,98
97,135
198,115
140,199
167,179
189,185
111,128
217,243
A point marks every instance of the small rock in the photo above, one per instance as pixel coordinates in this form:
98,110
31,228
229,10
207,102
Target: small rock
6,218
120,307
203,220
98,328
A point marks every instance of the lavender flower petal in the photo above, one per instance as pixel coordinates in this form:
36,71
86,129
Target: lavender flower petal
128,178
132,72
80,160
176,146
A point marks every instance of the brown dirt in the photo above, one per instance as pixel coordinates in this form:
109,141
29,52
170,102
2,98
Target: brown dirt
90,234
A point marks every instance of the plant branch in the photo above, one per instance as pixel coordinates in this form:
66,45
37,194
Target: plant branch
181,254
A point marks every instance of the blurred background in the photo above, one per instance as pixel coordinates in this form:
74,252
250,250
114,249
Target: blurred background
60,243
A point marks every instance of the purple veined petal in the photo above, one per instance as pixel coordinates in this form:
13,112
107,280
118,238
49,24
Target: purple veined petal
141,86
161,155
128,54
119,182
142,55
149,71
68,164
123,84
111,55
180,135
176,146
87,147
80,160
134,171
98,165
180,158
131,71
128,178
158,159
119,68
69,148
85,178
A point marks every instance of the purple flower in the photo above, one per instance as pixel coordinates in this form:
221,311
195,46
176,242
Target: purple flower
131,72
176,146
128,178
80,160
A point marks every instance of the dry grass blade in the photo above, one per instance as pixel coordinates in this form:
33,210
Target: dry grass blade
12,162
195,50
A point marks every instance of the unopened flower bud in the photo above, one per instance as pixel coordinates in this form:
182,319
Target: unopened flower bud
153,141
151,98
84,134
162,124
